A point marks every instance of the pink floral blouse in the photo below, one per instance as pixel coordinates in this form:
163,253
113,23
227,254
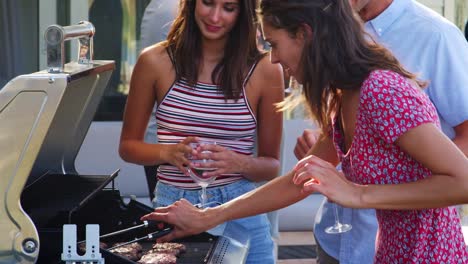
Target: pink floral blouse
389,106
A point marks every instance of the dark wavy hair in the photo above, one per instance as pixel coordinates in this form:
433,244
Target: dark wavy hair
184,42
339,55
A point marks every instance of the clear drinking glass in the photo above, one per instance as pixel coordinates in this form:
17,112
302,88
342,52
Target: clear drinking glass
197,173
338,227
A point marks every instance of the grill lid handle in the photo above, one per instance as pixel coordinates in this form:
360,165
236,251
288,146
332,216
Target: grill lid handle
56,35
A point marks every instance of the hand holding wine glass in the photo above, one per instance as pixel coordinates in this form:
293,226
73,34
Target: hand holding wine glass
198,167
176,154
313,173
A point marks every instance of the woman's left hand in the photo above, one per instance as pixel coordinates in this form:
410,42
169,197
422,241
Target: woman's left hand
317,175
224,160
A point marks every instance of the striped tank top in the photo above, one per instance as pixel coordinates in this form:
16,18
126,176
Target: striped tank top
203,111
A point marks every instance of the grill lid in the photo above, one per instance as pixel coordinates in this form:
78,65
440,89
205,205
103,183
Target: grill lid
81,91
44,118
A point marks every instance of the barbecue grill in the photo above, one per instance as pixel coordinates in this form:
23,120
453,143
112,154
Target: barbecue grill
44,119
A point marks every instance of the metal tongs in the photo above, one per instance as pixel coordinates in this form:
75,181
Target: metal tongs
146,224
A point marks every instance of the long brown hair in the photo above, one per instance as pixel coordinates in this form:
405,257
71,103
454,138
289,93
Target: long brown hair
184,42
339,55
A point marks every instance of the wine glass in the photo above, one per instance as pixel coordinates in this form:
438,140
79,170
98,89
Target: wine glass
338,227
196,173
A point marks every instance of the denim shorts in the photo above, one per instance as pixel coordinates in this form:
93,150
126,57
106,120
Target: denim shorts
258,226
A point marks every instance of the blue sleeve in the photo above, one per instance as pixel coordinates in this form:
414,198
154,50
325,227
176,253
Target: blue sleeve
448,87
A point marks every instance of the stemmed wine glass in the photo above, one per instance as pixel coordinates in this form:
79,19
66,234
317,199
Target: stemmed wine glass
196,173
338,227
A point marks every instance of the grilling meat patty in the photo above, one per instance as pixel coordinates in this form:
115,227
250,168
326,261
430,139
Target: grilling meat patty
158,258
131,251
170,248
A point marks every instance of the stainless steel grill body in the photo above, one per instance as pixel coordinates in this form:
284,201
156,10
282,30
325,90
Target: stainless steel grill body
43,121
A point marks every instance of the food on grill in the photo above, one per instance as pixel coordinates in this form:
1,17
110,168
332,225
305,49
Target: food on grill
131,251
158,258
170,248
163,253
82,246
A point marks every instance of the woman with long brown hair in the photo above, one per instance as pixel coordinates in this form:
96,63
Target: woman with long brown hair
210,83
375,120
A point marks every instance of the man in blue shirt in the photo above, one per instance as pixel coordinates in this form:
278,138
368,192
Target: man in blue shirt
426,44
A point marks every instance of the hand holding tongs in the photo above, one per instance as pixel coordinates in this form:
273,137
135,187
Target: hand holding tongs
150,223
146,224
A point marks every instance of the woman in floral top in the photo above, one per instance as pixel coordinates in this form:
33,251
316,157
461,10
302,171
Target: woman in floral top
375,120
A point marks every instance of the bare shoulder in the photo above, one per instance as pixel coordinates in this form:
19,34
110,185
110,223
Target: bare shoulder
268,76
155,56
155,65
265,69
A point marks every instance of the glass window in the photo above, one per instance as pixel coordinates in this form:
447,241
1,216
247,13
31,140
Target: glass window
117,26
18,41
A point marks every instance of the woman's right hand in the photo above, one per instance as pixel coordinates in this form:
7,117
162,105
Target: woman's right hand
317,175
185,218
176,154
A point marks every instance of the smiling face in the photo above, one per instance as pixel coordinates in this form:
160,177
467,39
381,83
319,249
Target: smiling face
286,49
216,18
